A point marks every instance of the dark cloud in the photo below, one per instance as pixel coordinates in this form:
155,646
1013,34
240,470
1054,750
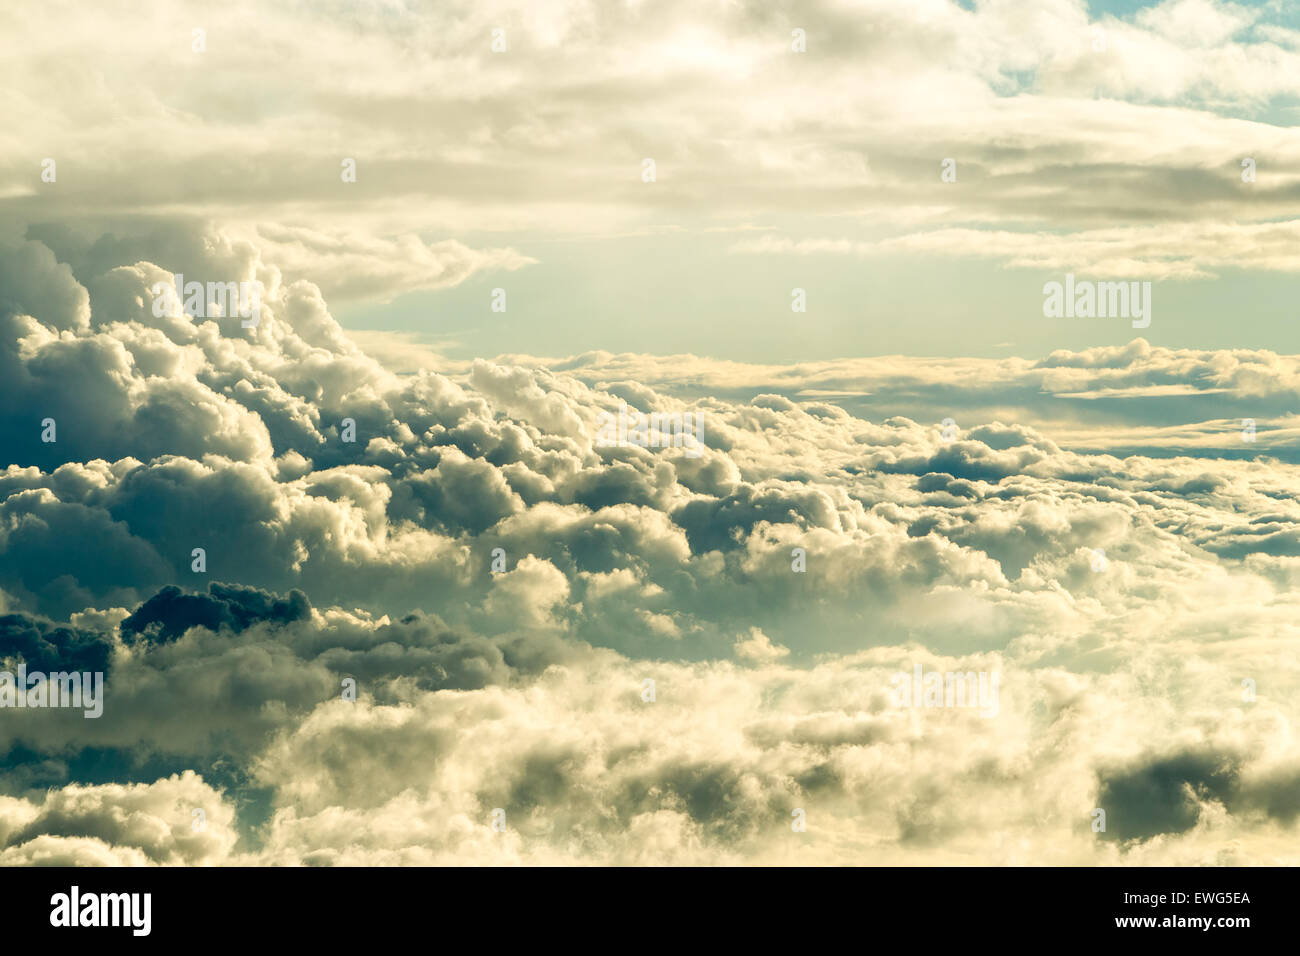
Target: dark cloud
171,612
1163,796
47,647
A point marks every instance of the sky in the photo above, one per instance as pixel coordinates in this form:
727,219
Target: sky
367,581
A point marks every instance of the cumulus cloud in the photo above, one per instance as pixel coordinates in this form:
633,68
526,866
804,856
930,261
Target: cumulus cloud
352,598
500,586
115,825
758,647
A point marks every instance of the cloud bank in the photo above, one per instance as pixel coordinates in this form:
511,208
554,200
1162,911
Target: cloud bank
637,655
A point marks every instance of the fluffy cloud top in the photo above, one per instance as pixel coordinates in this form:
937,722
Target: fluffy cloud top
501,587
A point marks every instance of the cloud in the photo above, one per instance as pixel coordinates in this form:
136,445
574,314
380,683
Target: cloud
355,266
46,647
524,689
758,647
116,826
450,136
1164,251
170,613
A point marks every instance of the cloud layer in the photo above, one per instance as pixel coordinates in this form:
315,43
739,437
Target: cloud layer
524,687
1123,138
